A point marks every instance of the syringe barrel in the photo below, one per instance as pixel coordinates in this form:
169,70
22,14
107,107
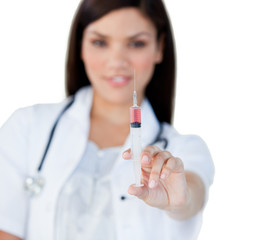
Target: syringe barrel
136,148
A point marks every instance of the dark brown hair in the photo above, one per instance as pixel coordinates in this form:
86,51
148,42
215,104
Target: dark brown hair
161,89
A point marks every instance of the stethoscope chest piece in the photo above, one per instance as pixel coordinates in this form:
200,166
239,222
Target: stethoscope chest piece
34,185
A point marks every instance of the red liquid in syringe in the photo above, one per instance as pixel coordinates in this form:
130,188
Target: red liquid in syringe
135,117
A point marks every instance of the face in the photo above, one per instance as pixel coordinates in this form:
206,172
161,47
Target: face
113,47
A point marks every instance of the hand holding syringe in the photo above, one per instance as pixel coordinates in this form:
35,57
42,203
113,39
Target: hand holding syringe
160,168
135,132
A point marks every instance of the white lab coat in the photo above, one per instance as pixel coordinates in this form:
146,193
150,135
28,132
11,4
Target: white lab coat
23,139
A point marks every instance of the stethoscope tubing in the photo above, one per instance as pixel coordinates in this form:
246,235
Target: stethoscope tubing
52,133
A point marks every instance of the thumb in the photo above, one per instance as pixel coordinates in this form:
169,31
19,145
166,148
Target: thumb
140,192
127,154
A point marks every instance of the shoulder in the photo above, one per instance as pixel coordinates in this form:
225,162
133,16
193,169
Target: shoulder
180,141
41,115
36,113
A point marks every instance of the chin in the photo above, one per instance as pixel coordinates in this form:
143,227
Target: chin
120,99
115,96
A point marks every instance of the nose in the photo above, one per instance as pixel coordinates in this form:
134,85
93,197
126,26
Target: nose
118,58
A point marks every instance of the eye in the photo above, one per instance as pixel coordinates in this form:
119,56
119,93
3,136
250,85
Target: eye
99,43
137,44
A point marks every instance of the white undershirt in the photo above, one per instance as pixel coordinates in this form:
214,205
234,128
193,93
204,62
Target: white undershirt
84,209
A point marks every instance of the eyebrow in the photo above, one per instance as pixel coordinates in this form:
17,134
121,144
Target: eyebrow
130,37
97,33
139,34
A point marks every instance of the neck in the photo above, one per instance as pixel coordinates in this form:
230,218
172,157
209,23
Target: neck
114,113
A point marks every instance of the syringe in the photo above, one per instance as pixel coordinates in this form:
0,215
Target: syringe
135,132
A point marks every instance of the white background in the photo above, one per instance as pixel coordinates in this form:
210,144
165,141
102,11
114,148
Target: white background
219,51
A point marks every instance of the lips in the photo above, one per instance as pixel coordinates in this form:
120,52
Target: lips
118,81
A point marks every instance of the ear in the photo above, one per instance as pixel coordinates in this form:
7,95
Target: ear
160,49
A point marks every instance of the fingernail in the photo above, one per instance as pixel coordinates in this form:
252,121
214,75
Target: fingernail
145,159
126,154
163,176
152,183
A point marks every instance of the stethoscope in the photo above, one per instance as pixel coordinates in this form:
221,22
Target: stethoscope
34,185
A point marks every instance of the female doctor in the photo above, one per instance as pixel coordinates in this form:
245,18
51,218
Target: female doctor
73,158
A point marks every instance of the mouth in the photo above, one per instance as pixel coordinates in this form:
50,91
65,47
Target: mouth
118,81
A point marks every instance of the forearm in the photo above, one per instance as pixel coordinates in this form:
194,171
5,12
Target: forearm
194,201
7,236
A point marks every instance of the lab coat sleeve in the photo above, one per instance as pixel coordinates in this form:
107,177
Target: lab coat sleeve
13,166
194,153
197,159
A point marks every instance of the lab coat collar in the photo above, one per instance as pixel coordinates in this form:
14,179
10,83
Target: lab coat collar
80,110
150,123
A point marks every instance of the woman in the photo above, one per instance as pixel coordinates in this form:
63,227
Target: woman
85,177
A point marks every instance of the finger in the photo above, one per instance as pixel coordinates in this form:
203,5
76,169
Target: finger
148,153
127,154
157,165
140,192
173,165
